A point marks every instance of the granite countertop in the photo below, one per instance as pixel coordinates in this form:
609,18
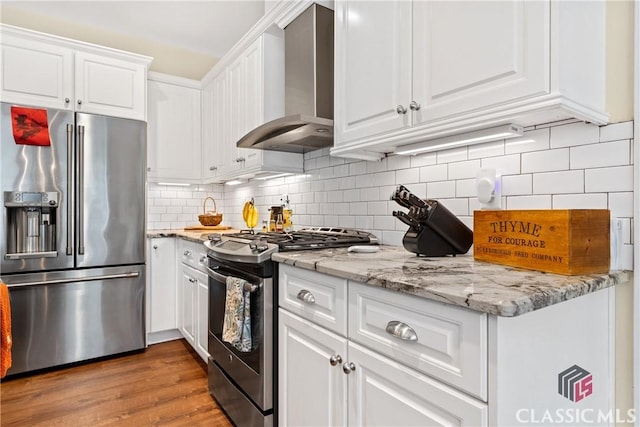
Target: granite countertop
489,288
197,236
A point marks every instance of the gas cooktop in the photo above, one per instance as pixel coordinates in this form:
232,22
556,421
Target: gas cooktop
248,246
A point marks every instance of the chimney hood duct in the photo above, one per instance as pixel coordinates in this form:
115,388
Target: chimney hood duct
308,121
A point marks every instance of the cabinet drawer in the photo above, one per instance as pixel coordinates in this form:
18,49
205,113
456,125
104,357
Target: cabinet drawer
445,342
314,296
193,254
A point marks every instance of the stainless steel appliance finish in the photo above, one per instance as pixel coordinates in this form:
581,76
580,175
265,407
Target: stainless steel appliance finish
308,121
244,384
95,168
64,316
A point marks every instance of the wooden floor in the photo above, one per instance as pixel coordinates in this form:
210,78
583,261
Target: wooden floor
165,385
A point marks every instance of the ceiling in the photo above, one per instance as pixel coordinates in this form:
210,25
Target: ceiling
206,28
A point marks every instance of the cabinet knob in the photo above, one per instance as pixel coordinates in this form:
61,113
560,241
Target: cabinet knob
306,296
401,330
192,280
187,252
67,100
239,159
155,246
400,109
334,360
348,367
148,169
414,106
79,101
203,259
213,168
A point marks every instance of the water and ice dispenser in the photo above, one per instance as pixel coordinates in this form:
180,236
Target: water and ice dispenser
31,224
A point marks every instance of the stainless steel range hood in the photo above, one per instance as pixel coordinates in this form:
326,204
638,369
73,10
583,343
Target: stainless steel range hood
308,121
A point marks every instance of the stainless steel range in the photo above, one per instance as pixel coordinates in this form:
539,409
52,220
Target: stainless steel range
244,382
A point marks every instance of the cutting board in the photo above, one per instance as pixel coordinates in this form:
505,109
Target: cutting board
208,227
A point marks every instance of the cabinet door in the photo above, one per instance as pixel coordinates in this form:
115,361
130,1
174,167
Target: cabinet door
161,299
212,122
36,73
472,55
253,101
311,391
372,68
202,333
110,86
174,138
234,93
188,304
385,393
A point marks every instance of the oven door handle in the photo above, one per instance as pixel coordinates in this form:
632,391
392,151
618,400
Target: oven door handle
248,287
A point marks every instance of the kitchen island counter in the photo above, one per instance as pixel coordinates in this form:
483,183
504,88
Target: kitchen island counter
462,281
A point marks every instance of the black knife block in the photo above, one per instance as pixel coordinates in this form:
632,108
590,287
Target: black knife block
440,235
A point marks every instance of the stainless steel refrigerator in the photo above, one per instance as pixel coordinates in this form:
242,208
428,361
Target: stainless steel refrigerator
72,238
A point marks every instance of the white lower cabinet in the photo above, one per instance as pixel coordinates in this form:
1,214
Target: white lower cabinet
161,296
385,358
193,296
327,378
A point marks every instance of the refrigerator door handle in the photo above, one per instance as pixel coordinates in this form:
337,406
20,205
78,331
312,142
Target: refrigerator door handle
80,161
70,192
76,279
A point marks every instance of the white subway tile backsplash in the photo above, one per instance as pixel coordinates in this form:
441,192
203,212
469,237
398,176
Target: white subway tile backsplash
580,201
621,204
616,153
616,131
574,134
433,173
504,165
545,161
529,202
462,170
442,189
558,182
516,185
609,179
560,165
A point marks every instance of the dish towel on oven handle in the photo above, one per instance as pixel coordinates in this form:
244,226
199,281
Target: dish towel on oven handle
236,329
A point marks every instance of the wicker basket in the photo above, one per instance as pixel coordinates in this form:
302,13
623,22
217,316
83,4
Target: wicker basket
210,218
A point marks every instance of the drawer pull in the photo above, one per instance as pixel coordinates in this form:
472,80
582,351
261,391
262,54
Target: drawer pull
348,367
401,330
187,253
306,296
334,360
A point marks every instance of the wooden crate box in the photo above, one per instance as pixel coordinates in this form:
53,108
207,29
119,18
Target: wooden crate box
564,241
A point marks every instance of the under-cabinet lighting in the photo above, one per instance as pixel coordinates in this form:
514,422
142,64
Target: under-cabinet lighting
175,184
367,155
236,181
279,175
475,137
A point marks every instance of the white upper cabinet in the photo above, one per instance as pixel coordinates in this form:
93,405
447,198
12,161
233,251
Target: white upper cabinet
53,72
245,93
174,129
416,70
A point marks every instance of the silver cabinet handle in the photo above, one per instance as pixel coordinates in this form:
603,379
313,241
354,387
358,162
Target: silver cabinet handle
155,246
192,280
306,296
348,367
334,360
187,252
240,159
414,106
401,330
67,100
148,169
213,168
79,101
400,109
203,259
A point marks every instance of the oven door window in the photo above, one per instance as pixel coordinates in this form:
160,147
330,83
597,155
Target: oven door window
217,297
